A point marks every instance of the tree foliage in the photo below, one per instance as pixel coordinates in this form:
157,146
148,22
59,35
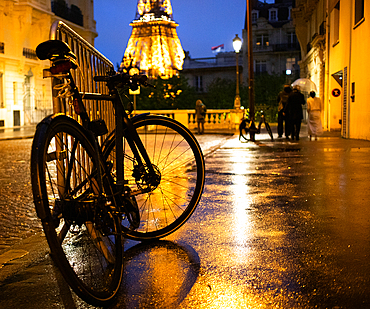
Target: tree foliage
175,93
172,93
220,94
267,88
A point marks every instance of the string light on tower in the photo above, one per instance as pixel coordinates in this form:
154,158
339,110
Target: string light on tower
154,46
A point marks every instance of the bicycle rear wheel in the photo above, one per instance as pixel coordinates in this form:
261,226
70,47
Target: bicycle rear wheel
268,128
83,234
178,161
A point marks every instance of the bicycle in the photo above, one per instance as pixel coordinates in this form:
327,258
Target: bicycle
249,127
142,182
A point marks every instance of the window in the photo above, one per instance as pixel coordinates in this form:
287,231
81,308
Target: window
262,40
359,10
2,103
290,62
335,20
15,93
273,16
292,40
74,14
199,83
261,66
254,16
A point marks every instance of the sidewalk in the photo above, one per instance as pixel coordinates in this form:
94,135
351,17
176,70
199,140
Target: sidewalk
17,132
29,131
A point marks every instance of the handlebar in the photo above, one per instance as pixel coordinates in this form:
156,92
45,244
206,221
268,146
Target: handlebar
133,81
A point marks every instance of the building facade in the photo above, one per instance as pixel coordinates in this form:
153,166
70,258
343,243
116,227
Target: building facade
334,38
200,72
276,49
25,97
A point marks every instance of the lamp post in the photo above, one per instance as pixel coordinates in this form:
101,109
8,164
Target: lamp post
237,44
250,71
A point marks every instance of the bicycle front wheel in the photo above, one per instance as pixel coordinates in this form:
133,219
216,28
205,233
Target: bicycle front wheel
83,234
179,164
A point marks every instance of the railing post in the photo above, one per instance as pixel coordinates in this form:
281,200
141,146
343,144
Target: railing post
182,117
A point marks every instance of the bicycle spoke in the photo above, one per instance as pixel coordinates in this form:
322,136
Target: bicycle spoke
178,162
83,235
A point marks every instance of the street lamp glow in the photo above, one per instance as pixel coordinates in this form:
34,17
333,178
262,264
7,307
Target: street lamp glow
237,43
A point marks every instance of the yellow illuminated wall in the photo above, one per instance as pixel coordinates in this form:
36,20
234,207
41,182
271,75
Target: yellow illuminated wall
338,32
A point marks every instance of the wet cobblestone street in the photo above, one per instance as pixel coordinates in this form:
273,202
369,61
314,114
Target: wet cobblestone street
17,213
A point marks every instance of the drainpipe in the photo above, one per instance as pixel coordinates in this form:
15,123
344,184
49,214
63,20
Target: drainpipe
349,83
327,66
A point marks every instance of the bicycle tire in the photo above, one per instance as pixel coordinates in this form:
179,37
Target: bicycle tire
84,238
268,128
244,126
177,156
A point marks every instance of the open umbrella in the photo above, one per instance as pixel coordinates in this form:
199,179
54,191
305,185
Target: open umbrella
305,85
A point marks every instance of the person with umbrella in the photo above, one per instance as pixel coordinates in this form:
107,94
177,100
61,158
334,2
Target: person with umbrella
295,112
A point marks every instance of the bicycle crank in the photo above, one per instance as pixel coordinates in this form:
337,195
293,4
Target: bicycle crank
131,209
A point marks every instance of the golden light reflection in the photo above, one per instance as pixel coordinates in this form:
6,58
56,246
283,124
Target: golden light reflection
154,46
241,203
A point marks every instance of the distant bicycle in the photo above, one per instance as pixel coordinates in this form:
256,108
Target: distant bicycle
142,181
249,127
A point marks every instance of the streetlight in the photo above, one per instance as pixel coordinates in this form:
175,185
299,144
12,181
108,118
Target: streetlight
237,44
250,71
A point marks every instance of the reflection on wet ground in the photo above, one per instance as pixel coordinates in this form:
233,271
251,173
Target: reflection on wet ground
158,275
283,225
280,225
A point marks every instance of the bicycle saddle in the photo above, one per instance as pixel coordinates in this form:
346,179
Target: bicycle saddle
54,49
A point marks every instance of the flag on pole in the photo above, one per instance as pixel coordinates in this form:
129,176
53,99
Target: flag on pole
217,49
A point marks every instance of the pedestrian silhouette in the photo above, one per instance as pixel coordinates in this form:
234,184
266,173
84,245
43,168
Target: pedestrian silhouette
295,111
200,112
282,100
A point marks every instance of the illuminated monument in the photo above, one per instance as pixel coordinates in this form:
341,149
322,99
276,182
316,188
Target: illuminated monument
154,46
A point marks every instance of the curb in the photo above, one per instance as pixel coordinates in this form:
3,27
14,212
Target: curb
33,249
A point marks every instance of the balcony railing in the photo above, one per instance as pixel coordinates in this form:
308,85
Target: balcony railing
277,47
29,53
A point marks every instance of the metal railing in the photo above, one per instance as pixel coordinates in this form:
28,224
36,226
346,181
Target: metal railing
91,62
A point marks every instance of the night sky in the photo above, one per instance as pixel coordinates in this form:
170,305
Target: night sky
202,25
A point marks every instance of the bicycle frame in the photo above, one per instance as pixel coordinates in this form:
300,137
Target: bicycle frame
122,121
63,62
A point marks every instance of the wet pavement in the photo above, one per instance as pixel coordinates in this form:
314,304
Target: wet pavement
17,215
280,225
